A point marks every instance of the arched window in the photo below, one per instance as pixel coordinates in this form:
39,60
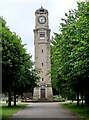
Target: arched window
42,51
42,64
42,79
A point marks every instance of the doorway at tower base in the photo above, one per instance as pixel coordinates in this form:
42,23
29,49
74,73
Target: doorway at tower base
43,93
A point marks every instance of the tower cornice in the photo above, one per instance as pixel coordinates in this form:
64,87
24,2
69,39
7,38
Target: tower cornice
42,29
41,10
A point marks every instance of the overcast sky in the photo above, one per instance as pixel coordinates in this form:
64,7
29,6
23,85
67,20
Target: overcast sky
20,16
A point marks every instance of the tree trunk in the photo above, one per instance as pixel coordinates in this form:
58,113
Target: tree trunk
87,99
9,99
77,98
82,99
14,99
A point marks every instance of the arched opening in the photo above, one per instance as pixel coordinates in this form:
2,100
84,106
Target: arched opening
42,91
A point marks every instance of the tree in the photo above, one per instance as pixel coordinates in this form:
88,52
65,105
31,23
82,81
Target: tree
17,71
71,51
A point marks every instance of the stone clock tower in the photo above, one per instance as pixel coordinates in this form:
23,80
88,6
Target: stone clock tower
43,91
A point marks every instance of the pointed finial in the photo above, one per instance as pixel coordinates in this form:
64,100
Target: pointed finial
41,6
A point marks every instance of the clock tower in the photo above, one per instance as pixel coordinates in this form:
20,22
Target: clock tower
43,91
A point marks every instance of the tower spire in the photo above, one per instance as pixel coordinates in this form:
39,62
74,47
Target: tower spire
41,7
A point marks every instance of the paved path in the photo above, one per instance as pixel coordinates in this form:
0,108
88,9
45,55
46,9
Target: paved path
44,110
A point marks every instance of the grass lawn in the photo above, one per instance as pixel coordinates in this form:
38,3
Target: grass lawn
82,112
8,111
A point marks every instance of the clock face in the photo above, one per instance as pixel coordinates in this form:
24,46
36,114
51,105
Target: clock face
42,19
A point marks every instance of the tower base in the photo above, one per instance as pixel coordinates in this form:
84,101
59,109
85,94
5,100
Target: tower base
43,93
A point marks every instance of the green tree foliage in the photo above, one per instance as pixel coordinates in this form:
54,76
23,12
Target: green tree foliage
18,73
70,48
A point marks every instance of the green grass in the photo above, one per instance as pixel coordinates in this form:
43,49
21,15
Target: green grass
82,112
9,111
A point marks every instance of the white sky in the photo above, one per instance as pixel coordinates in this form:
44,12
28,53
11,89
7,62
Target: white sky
20,16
